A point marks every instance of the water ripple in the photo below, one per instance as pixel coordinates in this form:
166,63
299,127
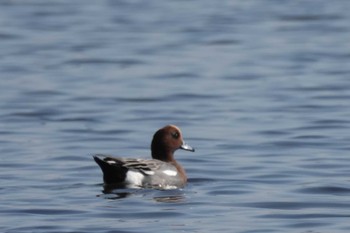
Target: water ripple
102,61
295,205
325,190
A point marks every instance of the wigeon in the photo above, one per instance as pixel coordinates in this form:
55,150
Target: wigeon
163,171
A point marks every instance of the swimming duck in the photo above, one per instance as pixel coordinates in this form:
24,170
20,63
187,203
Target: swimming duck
162,171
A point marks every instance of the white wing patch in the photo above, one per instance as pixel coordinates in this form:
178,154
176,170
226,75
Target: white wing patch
150,173
110,162
134,178
170,172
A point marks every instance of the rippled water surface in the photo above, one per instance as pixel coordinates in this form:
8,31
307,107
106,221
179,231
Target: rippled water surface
260,88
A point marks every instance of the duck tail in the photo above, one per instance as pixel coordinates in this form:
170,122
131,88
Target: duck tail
113,170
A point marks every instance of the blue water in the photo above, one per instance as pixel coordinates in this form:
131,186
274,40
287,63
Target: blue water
261,89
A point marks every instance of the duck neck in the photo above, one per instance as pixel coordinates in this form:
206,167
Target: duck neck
163,155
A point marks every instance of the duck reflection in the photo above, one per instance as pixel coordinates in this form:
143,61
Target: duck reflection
115,192
170,199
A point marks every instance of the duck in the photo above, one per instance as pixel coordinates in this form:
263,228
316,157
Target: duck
162,171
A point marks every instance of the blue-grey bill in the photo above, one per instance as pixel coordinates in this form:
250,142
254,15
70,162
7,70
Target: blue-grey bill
187,147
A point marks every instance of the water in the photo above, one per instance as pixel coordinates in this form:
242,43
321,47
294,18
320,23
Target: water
261,89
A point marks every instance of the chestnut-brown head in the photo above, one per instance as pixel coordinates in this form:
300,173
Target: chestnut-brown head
166,141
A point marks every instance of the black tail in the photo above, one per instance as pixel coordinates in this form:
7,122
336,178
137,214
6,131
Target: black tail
113,173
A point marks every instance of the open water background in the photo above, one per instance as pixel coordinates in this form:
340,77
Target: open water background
260,88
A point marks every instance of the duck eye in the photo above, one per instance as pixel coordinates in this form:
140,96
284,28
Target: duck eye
175,135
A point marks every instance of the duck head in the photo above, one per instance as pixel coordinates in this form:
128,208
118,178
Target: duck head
166,141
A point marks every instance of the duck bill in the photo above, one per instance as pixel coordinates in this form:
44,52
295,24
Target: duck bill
186,147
